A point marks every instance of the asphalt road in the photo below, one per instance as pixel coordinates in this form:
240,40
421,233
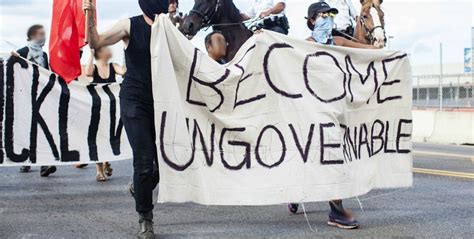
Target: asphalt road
71,204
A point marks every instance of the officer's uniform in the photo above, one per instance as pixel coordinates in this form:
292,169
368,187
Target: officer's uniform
343,22
275,22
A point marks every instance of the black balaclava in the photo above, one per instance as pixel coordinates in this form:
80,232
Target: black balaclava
152,7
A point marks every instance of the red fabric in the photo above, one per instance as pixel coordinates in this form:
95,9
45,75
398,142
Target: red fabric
67,38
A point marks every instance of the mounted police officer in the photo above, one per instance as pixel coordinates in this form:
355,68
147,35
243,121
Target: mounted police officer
273,13
344,21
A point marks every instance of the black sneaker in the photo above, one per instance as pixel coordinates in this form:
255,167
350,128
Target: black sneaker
47,170
25,169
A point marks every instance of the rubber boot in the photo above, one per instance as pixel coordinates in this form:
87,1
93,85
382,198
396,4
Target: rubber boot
146,225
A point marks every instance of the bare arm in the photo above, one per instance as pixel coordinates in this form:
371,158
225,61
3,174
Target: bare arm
90,65
119,70
118,32
278,8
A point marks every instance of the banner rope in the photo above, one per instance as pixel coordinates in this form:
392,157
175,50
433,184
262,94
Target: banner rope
307,220
14,46
9,43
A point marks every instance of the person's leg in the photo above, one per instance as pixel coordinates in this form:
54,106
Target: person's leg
340,217
336,205
100,177
108,169
138,120
80,165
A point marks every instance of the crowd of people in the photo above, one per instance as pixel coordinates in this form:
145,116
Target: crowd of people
331,23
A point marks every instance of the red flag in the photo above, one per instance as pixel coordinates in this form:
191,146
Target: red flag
67,38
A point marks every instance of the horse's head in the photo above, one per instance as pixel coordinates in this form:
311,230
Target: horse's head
203,14
372,22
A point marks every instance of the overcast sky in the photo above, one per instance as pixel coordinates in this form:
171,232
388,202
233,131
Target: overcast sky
418,26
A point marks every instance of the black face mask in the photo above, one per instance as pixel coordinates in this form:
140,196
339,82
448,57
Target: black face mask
153,7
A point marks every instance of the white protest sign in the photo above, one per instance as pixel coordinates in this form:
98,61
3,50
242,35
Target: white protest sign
45,121
285,121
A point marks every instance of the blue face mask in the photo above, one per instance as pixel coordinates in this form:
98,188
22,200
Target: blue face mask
322,32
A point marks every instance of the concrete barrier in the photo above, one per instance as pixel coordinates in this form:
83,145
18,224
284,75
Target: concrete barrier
423,125
446,127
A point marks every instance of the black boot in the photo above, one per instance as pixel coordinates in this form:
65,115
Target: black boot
146,225
47,170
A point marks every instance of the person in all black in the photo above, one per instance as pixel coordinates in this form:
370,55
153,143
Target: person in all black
33,52
136,99
103,72
216,46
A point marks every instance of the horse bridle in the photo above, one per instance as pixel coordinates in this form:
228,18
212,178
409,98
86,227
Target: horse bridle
207,18
369,32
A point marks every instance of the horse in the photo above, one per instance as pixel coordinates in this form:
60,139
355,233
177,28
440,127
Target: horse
370,27
221,15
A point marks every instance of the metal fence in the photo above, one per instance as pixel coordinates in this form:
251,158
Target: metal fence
456,92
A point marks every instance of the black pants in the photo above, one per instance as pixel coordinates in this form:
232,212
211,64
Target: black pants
279,29
139,122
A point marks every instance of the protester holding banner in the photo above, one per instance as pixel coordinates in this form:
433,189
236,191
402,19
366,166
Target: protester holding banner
136,98
320,21
33,52
103,72
216,46
173,8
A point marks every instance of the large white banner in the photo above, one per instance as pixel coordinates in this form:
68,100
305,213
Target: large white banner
285,121
44,121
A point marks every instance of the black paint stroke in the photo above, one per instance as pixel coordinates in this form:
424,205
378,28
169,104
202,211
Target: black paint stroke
267,73
306,78
323,145
363,139
388,83
211,85
94,123
66,154
9,118
402,135
303,152
2,102
370,68
246,160
379,136
115,134
162,147
283,144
